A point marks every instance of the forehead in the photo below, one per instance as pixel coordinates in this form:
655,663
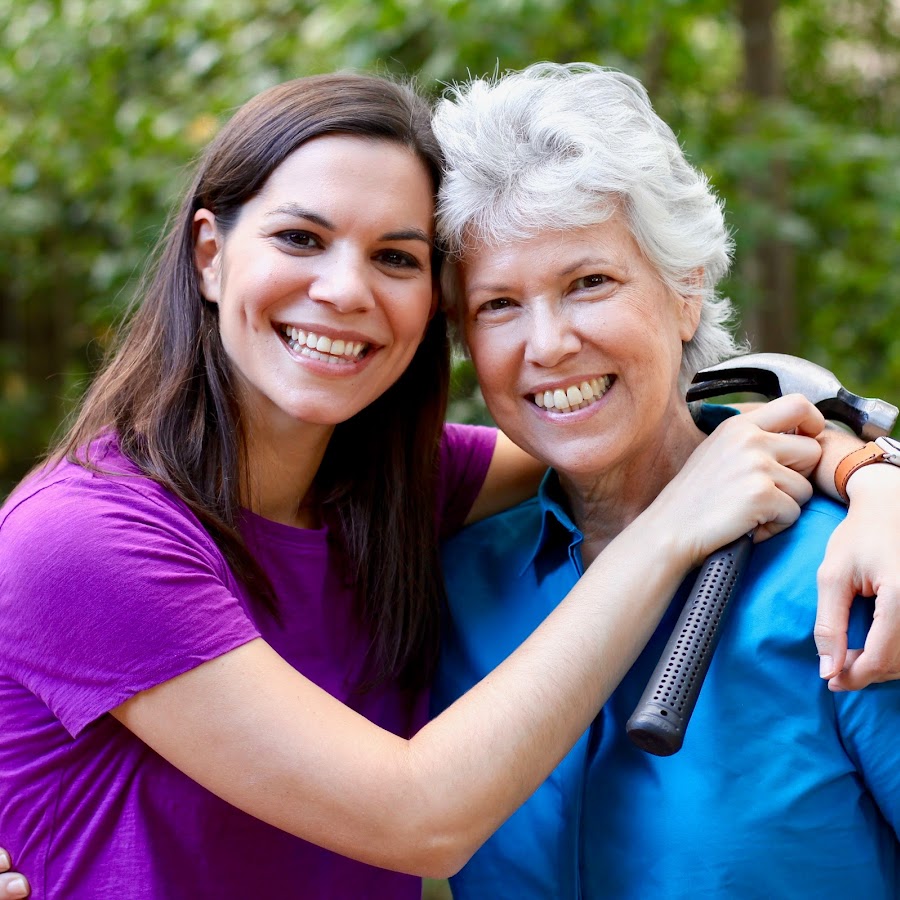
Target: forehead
350,171
551,253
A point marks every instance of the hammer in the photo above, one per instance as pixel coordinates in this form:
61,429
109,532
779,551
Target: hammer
661,718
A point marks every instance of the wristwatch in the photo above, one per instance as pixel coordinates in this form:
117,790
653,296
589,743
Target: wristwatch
881,450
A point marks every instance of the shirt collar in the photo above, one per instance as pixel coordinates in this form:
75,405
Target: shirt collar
556,521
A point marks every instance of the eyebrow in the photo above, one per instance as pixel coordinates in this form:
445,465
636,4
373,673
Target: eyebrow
583,262
299,212
502,287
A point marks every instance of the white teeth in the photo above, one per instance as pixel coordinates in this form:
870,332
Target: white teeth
318,346
560,400
576,396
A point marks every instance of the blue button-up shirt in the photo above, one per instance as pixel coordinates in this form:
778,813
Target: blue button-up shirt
782,789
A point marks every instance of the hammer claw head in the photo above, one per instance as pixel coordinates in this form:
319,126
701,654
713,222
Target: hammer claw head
776,374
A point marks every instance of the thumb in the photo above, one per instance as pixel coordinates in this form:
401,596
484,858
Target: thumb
832,615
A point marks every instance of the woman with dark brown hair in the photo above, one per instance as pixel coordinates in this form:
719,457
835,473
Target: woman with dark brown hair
220,596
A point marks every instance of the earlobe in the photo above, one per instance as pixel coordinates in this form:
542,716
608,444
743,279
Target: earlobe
207,247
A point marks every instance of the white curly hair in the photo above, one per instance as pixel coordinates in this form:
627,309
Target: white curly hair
555,147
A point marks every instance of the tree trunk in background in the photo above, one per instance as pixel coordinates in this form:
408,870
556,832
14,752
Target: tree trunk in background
769,270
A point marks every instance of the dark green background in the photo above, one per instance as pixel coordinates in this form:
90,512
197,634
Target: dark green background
790,107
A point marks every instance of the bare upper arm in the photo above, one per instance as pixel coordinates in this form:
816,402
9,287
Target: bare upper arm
513,476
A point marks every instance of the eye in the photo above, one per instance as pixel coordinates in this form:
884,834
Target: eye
591,281
299,240
495,305
397,259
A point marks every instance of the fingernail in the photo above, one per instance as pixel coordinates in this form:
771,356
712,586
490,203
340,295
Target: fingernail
17,888
826,666
4,860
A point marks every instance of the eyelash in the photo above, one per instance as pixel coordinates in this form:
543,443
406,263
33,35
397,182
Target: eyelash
488,307
394,259
600,281
289,238
401,260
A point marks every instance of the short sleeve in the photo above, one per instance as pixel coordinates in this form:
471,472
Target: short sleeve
109,586
466,453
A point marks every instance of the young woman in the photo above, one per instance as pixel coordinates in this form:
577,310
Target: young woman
219,598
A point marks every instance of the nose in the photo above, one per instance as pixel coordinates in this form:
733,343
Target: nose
343,280
551,338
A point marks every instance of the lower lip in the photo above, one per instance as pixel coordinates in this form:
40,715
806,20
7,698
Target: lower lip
559,418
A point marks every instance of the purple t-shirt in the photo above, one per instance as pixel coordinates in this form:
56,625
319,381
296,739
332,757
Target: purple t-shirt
108,586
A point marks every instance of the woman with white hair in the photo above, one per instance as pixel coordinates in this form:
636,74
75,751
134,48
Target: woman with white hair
586,253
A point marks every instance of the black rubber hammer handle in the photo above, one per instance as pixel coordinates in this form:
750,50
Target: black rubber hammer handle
660,720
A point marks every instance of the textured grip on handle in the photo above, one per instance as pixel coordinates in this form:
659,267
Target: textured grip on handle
660,719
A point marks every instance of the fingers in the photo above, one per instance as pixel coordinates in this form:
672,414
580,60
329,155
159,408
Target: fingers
879,660
745,478
793,412
862,560
12,884
794,451
836,593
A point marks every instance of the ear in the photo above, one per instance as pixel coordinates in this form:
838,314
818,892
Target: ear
207,254
691,306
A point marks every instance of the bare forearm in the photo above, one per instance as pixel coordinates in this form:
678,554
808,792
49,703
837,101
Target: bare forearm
258,734
489,751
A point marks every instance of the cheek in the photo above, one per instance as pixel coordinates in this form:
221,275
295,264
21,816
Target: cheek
496,369
412,312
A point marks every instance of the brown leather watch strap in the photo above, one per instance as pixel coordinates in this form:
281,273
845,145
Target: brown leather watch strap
871,453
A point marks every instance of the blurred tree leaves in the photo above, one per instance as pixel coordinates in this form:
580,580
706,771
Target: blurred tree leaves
103,105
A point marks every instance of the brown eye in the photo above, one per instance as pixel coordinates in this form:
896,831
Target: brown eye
397,259
301,240
495,304
591,281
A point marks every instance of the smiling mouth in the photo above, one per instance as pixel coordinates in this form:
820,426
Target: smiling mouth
574,397
318,346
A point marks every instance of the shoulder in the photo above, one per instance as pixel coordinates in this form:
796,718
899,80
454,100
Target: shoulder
460,443
807,538
465,457
67,512
496,548
779,592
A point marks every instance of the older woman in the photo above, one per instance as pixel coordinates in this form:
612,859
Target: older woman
588,252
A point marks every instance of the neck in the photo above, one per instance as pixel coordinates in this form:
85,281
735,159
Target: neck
604,504
281,466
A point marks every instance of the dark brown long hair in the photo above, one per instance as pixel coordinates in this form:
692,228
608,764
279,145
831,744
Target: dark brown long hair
168,389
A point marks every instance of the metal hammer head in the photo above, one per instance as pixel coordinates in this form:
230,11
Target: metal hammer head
774,374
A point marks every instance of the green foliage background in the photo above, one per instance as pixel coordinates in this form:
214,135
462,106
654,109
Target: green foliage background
102,105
